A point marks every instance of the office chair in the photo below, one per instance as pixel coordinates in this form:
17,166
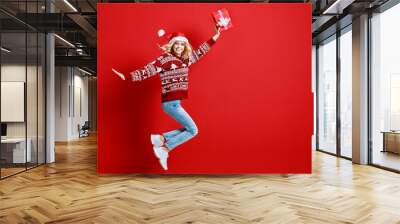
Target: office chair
84,130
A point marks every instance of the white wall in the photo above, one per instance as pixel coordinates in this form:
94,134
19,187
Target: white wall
13,101
71,93
17,73
81,84
13,72
62,78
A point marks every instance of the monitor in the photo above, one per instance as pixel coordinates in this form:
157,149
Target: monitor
3,129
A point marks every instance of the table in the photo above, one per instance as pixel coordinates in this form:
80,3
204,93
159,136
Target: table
13,150
391,141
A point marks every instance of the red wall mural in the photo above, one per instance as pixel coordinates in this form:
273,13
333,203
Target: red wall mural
250,96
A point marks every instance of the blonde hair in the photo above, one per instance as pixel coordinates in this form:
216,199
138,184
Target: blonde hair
185,54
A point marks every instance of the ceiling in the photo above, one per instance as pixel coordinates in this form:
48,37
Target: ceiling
76,22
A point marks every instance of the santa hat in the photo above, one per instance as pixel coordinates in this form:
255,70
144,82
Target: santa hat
172,37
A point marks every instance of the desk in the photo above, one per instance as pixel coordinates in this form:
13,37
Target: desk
15,148
391,141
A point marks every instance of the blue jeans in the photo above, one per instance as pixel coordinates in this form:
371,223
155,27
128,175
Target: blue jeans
178,136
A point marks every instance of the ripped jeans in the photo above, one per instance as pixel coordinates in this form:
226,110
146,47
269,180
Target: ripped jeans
178,136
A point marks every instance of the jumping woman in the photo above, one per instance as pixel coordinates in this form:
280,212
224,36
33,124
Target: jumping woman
173,68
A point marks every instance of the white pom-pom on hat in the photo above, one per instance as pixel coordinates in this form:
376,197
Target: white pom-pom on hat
161,32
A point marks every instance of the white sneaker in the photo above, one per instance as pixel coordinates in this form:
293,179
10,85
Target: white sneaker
156,140
162,156
163,163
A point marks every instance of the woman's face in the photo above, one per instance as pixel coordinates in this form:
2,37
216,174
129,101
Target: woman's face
178,47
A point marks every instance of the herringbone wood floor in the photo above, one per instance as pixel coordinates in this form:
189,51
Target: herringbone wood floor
70,191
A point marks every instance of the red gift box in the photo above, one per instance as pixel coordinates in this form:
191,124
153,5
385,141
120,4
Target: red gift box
222,19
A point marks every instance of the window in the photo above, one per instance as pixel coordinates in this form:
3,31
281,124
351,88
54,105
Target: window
346,93
327,95
385,88
22,78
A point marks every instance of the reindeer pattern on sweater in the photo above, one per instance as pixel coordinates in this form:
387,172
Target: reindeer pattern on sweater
173,71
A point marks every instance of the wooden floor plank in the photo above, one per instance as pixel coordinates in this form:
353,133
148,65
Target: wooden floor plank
70,191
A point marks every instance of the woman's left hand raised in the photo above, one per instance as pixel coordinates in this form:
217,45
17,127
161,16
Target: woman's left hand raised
217,33
122,76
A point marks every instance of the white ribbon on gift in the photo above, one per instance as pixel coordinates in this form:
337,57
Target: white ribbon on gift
222,20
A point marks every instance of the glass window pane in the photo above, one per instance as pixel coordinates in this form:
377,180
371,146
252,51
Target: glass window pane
14,153
22,88
31,101
327,96
385,88
41,97
346,94
314,84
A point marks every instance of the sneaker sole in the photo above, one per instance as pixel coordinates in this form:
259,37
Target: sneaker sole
159,160
162,165
155,152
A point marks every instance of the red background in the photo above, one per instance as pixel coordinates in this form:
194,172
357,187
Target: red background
250,96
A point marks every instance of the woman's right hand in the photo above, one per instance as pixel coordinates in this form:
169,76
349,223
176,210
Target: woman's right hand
122,76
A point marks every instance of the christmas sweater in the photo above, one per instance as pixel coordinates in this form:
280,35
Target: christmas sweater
173,71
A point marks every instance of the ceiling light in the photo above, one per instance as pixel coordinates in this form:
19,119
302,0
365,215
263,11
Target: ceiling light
70,5
338,6
5,50
64,40
84,71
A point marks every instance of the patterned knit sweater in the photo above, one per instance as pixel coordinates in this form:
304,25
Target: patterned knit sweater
173,72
